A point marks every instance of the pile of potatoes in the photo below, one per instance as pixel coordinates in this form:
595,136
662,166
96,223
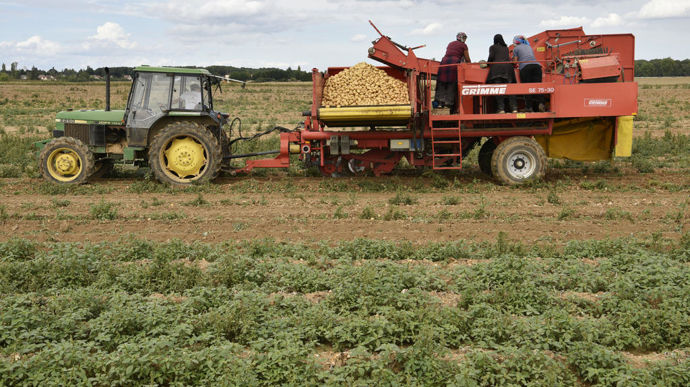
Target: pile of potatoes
364,85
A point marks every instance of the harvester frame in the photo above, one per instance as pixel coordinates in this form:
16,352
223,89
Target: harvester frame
589,93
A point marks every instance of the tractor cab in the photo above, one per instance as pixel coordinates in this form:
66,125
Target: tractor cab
161,95
158,91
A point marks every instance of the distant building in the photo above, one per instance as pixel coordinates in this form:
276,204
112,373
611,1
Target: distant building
23,77
127,77
44,77
96,77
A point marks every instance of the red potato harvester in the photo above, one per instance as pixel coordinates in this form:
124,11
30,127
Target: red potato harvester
587,87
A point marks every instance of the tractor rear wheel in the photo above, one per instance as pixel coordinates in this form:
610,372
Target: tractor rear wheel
66,160
185,153
518,160
484,157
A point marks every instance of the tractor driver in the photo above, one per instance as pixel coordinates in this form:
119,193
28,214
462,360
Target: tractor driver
192,97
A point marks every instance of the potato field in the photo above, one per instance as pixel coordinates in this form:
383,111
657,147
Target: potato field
284,277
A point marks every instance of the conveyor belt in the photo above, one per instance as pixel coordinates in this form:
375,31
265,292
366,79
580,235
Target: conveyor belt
365,115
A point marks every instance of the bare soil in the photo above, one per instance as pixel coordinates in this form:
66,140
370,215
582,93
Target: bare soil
630,205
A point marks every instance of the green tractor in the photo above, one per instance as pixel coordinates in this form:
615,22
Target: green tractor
169,123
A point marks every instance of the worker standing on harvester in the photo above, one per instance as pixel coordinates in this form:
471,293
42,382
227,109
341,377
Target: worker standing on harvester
501,72
530,69
447,79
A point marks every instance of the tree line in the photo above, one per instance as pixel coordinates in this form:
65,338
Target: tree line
270,74
666,67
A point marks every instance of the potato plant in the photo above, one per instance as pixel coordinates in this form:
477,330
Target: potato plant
358,312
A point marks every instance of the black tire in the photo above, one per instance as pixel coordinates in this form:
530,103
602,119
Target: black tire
66,160
484,157
196,159
101,169
224,142
518,160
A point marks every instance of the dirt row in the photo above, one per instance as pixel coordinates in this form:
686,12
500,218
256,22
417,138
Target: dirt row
304,214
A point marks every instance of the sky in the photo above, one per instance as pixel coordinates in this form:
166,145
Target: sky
306,33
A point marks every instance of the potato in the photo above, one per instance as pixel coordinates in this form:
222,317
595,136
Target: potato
362,85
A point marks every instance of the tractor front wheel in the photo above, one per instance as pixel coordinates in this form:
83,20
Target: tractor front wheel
66,160
185,153
518,160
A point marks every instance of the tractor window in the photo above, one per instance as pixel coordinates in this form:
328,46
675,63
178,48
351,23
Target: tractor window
150,99
160,93
186,93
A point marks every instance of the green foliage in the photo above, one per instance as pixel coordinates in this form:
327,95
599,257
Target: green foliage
642,164
3,213
602,185
403,199
617,213
566,213
553,198
666,67
368,213
360,312
450,200
598,365
668,145
58,203
47,188
198,202
17,154
103,210
394,214
340,213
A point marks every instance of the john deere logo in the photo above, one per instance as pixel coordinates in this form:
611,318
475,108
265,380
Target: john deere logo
484,90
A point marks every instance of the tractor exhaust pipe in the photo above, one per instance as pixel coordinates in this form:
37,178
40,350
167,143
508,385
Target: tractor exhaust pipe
107,89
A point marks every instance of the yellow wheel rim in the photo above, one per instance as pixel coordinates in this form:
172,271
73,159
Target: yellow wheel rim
184,157
64,164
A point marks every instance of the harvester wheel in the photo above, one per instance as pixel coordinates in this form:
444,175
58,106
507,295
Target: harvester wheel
484,157
518,160
101,169
66,160
184,153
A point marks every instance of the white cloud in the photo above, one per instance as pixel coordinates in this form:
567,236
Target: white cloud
611,20
112,33
200,10
564,21
657,9
34,45
428,30
318,32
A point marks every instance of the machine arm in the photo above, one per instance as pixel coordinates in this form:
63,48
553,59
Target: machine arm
393,54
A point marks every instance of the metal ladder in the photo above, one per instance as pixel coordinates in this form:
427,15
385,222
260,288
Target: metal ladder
445,136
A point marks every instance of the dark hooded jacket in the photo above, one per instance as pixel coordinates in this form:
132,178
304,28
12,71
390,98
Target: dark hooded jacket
498,52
